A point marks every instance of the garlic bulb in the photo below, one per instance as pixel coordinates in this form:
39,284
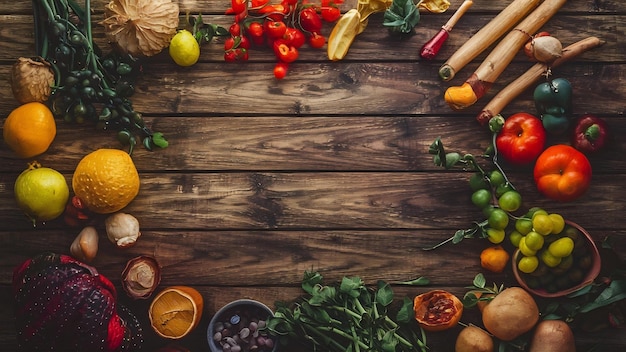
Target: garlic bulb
85,245
546,49
122,229
141,27
31,80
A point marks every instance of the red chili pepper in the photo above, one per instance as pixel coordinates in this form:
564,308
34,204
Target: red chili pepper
590,134
285,53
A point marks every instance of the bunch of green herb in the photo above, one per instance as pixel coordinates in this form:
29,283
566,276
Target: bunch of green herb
89,85
348,317
401,17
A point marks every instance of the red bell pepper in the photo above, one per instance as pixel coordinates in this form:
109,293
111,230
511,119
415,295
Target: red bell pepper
590,134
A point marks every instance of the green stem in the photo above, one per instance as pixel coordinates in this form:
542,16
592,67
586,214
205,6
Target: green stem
347,311
495,160
329,340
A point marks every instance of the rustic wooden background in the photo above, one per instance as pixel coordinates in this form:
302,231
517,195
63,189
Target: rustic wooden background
327,169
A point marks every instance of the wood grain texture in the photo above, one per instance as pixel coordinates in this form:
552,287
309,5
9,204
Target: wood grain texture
325,170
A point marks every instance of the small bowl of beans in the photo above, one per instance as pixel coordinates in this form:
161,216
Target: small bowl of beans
239,327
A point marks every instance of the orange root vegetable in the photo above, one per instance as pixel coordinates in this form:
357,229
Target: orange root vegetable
500,57
523,82
486,36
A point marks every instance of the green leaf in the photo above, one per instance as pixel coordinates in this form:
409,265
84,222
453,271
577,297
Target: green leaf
420,281
615,292
159,140
384,295
405,314
479,280
351,286
401,17
310,280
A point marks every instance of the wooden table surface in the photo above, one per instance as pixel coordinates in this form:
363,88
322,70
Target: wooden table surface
327,169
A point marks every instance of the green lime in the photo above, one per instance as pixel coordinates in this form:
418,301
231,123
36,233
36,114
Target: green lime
503,188
558,223
523,225
510,201
481,198
542,224
534,241
498,219
488,210
496,178
514,237
495,235
562,247
524,249
528,264
184,49
548,259
478,181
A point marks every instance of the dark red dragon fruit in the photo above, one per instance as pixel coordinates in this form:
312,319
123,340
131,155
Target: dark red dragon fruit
65,305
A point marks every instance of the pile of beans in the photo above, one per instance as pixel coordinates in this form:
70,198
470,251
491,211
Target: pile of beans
241,331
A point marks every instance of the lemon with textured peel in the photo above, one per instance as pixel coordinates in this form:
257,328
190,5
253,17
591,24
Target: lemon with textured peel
106,180
184,48
41,192
176,311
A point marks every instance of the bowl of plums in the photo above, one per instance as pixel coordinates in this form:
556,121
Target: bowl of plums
557,262
240,326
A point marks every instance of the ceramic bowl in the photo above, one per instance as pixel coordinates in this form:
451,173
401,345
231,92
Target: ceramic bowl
234,318
590,270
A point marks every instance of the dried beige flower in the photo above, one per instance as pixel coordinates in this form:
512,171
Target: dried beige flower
141,27
31,80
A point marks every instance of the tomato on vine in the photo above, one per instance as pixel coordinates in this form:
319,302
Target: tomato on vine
316,40
310,20
255,33
275,29
295,37
330,13
521,139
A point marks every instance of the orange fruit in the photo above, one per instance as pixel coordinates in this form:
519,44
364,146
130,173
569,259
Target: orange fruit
176,311
29,129
494,259
106,180
437,310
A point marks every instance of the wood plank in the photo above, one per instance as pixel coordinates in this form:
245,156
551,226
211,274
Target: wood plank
17,38
343,88
331,143
329,200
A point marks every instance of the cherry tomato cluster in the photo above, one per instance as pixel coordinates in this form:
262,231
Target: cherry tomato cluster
284,27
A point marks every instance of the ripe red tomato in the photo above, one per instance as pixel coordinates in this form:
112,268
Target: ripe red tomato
255,32
562,173
521,139
330,13
294,36
316,40
284,52
280,70
275,29
310,20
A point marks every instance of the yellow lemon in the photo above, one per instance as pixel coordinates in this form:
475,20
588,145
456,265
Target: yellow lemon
542,224
528,264
558,223
184,49
41,192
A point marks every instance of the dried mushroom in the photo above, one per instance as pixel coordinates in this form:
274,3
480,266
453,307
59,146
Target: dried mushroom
122,229
141,27
141,277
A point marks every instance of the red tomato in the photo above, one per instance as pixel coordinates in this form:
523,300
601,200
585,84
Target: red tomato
284,52
294,37
255,32
521,139
235,29
317,41
238,6
330,13
562,173
276,29
310,20
280,70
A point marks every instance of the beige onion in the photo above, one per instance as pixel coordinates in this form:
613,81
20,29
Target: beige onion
141,27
